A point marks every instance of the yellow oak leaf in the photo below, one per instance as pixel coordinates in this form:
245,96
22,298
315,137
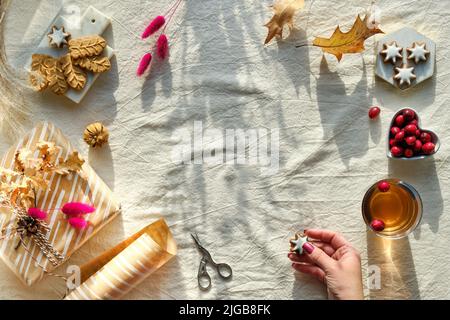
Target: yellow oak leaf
349,42
284,11
72,164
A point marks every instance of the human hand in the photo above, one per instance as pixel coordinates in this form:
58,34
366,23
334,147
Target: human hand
331,259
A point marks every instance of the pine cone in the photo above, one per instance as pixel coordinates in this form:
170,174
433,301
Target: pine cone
96,134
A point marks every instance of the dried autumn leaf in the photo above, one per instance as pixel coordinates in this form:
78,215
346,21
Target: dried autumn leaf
72,164
57,80
95,64
86,46
284,11
75,76
350,42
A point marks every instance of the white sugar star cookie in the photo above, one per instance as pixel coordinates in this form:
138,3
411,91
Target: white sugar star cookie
418,52
297,243
391,52
58,37
405,74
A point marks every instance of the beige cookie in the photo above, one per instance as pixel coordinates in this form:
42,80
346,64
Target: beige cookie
57,80
87,46
95,64
75,77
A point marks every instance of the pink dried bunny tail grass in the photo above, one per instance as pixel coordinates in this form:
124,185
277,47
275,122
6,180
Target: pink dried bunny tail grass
154,26
77,208
78,223
144,64
162,46
37,213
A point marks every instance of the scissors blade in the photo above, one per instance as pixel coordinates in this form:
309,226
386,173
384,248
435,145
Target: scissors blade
205,253
197,241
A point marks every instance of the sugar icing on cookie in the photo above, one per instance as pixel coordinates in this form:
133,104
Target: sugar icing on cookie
391,52
418,52
58,37
297,243
405,75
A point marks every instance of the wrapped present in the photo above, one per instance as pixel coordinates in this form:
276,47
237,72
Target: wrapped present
31,247
118,270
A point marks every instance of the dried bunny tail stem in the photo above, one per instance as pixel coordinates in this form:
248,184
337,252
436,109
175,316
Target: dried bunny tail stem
13,111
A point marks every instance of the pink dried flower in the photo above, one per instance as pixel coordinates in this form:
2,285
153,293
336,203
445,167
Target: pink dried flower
37,213
143,65
154,26
162,46
77,208
78,223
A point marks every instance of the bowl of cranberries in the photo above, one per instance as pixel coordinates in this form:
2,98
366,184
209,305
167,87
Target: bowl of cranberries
407,140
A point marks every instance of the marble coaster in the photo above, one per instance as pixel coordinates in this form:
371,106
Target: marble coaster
405,38
93,22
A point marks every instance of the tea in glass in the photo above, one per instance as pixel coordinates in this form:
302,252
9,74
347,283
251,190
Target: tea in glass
392,208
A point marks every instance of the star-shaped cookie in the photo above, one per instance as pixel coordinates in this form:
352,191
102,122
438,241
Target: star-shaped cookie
58,37
391,52
297,243
405,74
418,52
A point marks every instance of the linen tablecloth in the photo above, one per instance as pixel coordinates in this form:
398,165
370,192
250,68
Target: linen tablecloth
220,74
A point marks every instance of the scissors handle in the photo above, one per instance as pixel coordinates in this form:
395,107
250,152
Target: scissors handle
203,278
224,270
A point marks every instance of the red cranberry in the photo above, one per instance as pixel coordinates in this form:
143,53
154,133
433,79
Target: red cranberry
384,186
395,130
393,143
410,129
414,122
400,136
374,112
397,151
409,153
428,148
400,120
418,133
410,141
377,225
425,137
409,114
418,146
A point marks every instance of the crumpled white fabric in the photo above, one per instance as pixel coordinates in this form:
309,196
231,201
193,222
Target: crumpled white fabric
221,74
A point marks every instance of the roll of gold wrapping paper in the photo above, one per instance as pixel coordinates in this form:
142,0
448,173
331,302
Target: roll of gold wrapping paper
118,270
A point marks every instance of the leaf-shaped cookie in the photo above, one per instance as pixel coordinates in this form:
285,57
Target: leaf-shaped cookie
75,76
284,11
38,81
86,46
350,42
38,75
95,64
57,80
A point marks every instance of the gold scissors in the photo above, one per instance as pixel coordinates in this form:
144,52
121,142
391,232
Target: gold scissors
204,280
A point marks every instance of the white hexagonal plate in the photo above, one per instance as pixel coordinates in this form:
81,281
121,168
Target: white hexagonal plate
405,38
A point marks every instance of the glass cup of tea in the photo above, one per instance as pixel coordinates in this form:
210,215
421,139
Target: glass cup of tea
392,208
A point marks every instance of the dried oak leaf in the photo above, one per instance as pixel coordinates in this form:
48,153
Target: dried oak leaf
351,42
87,46
284,11
73,164
95,64
57,80
75,76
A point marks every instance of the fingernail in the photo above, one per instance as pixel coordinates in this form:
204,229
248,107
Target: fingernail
289,255
308,247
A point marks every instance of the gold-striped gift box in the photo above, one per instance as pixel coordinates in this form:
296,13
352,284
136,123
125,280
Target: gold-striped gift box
85,186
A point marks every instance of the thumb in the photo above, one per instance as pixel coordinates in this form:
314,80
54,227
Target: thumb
318,256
